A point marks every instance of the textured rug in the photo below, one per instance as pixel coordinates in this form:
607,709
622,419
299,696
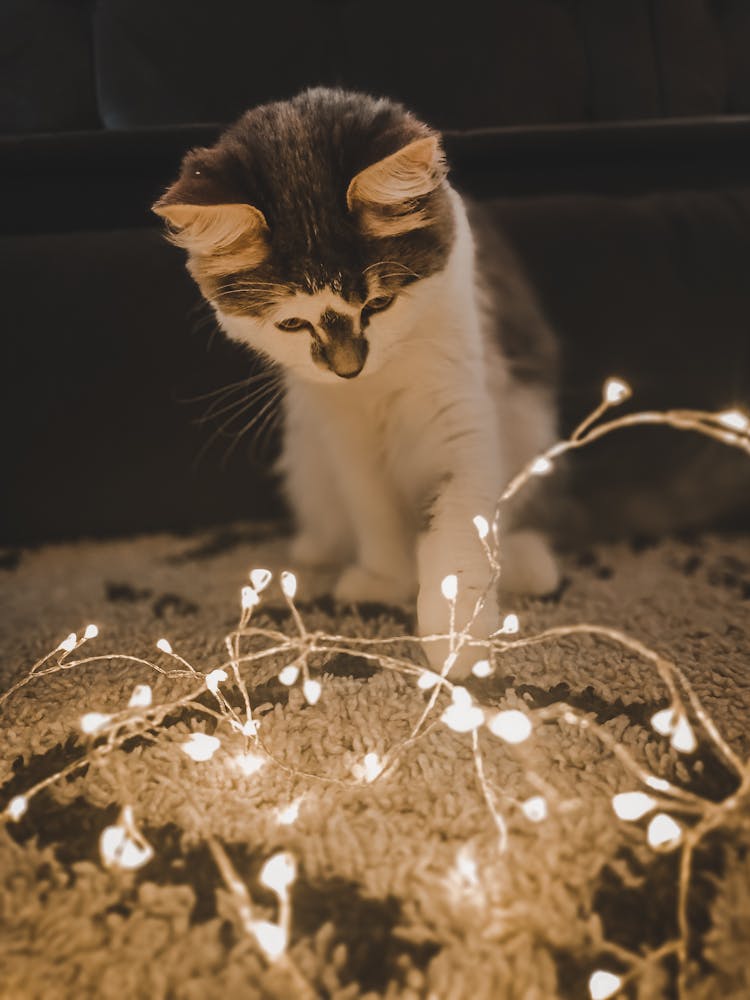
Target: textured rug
400,889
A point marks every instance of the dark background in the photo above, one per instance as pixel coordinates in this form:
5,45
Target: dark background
611,138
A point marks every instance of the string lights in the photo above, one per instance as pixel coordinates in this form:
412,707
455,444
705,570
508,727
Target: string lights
123,845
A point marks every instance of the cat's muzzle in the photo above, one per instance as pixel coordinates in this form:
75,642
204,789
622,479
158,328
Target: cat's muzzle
345,359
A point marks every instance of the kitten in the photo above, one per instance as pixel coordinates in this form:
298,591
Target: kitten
325,235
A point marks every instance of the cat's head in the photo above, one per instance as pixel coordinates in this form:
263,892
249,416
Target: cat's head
310,224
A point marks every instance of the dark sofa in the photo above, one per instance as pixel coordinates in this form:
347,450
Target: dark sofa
610,137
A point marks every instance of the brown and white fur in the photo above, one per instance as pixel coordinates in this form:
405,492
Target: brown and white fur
404,417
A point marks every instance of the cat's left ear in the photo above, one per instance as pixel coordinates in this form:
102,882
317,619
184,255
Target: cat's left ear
387,196
222,236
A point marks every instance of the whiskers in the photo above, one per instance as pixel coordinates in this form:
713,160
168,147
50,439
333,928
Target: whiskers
250,404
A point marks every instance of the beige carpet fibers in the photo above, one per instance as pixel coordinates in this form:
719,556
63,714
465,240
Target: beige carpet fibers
400,889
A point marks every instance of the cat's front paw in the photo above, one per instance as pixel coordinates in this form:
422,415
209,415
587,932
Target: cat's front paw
310,552
359,585
527,563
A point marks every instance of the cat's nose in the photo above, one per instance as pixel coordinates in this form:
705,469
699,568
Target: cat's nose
347,360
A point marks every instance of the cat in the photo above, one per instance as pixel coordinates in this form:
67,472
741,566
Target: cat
419,371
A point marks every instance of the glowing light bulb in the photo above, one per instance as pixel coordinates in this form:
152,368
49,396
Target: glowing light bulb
270,937
535,808
603,985
69,644
735,420
311,691
92,631
289,584
449,587
482,668
372,767
164,645
250,728
466,866
92,722
141,697
289,814
248,763
248,598
214,678
683,737
463,715
200,746
658,784
289,674
663,832
260,578
482,526
120,849
428,679
632,805
279,872
664,721
540,466
17,807
511,625
616,390
512,726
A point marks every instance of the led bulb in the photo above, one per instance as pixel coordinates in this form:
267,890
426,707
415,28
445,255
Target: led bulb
121,850
373,766
461,697
466,866
248,763
511,625
91,632
632,805
512,726
289,584
214,678
462,718
658,784
248,598
289,814
200,746
482,526
735,420
449,587
165,646
311,691
663,833
92,722
260,578
616,391
535,808
141,697
69,644
270,937
17,807
289,674
428,679
482,668
664,721
279,872
683,737
603,985
540,466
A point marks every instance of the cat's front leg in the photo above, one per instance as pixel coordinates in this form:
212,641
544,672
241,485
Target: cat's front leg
451,546
383,565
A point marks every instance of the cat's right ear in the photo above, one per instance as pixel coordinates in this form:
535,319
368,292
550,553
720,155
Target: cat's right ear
388,197
221,236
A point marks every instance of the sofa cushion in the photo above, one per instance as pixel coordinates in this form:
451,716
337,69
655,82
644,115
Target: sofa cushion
46,66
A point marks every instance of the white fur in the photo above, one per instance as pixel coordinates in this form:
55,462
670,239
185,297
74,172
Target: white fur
433,414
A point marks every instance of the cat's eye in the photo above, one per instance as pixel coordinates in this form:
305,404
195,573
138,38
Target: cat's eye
379,303
293,323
